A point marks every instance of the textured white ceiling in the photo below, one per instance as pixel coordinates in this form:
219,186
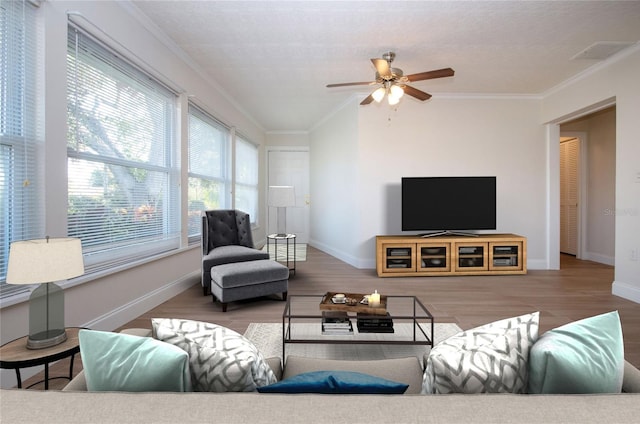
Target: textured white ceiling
276,57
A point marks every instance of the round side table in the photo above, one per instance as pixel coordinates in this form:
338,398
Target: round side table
286,238
15,355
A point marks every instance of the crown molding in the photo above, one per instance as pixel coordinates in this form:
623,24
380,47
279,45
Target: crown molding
163,38
593,69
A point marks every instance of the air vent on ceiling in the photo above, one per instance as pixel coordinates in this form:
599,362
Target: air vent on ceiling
602,50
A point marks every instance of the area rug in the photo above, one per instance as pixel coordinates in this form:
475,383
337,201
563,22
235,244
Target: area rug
268,339
301,251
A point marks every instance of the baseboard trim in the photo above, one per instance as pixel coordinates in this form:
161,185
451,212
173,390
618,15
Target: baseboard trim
626,291
131,310
344,257
597,257
537,264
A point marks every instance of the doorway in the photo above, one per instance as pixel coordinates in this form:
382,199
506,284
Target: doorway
290,167
587,168
569,195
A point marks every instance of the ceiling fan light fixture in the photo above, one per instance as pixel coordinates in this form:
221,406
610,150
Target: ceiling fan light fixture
378,95
394,84
396,91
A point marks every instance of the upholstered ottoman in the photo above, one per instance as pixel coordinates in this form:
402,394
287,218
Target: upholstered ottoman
246,280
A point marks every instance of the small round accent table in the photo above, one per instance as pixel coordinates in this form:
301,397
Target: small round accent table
15,355
286,238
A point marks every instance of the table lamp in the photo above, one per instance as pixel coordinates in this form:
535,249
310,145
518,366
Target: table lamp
282,197
45,261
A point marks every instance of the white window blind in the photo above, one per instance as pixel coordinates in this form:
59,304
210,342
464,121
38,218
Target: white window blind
122,175
246,190
21,215
209,167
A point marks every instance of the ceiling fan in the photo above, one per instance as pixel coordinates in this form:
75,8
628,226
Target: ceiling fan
394,82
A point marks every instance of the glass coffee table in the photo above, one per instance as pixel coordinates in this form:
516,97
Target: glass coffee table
399,320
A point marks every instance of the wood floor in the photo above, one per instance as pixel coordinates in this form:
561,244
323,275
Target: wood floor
578,290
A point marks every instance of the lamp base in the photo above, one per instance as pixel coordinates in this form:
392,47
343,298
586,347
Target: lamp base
46,339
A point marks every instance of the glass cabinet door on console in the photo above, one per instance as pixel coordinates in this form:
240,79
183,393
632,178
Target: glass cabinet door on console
433,257
505,255
471,256
398,257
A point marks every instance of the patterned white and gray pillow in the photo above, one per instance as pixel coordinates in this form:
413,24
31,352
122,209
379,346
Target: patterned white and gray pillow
488,359
220,359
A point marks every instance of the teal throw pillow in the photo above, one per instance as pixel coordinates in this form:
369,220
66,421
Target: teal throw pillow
121,362
332,382
585,356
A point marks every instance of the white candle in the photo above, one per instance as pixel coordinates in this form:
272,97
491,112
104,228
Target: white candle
374,299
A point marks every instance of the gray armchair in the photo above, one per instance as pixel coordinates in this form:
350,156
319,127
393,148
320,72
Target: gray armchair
226,238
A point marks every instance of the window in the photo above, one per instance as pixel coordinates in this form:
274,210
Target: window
246,190
20,182
123,180
209,164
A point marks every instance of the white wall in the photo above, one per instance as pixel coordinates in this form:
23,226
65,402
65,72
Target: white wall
445,136
297,138
454,137
335,211
110,300
616,79
601,187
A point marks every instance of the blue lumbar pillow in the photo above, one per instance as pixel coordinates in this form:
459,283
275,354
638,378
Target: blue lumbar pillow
585,356
122,362
343,382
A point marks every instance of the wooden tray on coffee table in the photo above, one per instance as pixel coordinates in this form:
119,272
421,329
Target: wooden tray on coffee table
326,304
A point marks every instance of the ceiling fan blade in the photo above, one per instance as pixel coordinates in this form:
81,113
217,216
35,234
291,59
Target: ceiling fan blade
382,66
439,73
418,94
367,100
345,84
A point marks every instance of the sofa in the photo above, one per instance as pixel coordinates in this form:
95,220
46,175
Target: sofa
406,370
74,404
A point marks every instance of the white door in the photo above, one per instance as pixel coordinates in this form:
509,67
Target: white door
290,167
569,154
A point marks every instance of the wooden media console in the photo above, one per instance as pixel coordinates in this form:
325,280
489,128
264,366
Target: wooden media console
486,254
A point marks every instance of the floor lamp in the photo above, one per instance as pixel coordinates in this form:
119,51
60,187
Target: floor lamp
45,261
282,197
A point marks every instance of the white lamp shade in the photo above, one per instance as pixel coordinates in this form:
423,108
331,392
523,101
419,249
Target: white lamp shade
396,91
44,260
378,94
282,196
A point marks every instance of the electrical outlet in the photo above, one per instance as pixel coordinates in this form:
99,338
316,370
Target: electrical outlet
633,255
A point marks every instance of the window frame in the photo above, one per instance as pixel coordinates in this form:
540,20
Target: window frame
255,187
21,179
224,178
112,65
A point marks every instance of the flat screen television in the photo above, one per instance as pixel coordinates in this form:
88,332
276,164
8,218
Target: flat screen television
448,204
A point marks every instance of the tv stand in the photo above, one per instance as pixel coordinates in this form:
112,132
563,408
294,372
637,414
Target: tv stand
448,233
450,254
